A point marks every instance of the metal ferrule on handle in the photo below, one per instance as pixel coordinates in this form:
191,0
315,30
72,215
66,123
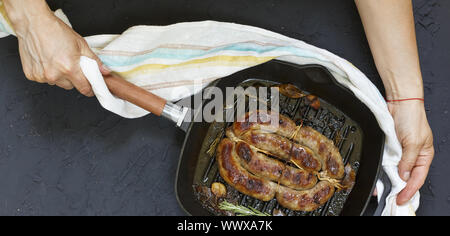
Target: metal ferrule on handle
175,113
144,99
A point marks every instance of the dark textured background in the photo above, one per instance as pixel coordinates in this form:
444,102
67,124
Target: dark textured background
62,154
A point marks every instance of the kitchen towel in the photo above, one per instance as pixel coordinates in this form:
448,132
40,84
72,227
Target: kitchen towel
177,61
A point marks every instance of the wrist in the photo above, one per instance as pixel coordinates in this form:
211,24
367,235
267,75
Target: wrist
404,95
417,105
404,89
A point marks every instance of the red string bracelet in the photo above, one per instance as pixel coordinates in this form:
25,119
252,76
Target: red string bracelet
407,99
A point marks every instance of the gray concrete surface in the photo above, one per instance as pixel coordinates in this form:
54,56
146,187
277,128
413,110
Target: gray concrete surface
62,154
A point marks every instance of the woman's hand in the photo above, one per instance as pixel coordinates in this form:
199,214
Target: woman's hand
394,48
416,138
50,50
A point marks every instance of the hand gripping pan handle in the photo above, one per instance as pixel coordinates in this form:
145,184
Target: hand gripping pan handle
144,99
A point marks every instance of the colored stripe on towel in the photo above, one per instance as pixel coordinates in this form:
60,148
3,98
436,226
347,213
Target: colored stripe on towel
187,52
231,61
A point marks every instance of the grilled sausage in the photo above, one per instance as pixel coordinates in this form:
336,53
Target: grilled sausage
269,168
235,175
324,148
257,187
281,147
308,200
262,120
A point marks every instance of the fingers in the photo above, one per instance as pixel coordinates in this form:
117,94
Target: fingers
26,62
104,69
419,172
88,53
80,82
38,74
64,72
410,154
416,137
418,176
69,79
65,84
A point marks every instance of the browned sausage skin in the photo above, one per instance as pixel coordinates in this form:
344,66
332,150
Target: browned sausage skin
262,120
269,168
325,150
281,148
244,165
235,175
238,177
308,200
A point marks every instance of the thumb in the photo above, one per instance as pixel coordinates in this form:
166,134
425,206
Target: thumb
409,157
103,68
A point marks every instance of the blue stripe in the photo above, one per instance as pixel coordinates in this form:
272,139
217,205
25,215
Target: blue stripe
3,28
187,54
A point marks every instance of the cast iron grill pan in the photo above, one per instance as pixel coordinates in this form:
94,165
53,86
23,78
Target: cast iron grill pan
341,117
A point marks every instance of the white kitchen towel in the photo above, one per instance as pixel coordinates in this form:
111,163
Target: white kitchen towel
177,61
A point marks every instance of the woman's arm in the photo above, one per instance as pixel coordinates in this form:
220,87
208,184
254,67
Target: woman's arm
390,30
50,50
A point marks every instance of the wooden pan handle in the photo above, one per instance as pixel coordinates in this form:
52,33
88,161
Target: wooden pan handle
134,94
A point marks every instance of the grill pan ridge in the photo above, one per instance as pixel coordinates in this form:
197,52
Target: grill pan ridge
342,118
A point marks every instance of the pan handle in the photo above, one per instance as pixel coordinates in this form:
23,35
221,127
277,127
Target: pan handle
387,189
143,98
134,94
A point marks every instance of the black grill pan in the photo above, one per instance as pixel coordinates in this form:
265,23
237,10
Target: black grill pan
342,114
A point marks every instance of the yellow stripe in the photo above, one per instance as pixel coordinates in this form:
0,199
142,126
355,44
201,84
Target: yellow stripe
5,16
210,61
